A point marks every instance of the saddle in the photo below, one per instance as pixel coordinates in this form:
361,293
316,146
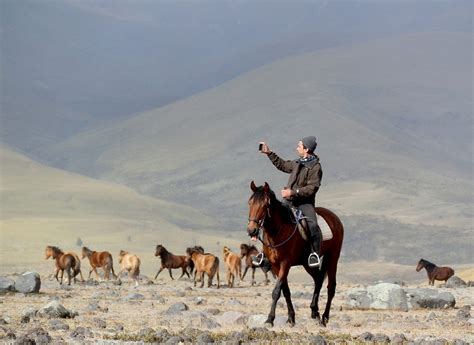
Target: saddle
297,217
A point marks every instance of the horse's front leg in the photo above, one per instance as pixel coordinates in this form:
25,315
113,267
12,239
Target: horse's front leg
291,311
171,275
159,271
275,297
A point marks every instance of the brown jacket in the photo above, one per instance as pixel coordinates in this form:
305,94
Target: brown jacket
305,178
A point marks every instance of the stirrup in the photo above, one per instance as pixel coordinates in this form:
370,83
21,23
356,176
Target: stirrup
257,260
314,260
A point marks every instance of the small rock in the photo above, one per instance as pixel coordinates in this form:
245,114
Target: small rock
381,339
35,336
82,333
205,338
399,338
366,336
317,339
58,325
463,315
54,309
213,311
174,340
199,300
176,308
6,285
99,323
180,294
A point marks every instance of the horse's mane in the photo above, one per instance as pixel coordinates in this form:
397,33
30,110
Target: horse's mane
260,195
248,247
428,265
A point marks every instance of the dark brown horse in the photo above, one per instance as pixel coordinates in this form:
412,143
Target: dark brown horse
285,247
64,262
99,259
246,253
169,261
434,272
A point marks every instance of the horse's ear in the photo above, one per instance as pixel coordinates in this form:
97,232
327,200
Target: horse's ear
266,188
253,187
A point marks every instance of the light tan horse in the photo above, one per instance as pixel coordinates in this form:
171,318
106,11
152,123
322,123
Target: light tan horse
233,264
204,263
99,259
64,262
130,263
77,268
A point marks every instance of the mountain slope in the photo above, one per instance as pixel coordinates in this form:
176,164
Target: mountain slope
379,111
45,206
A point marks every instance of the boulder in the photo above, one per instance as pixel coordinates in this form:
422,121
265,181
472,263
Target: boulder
430,298
6,285
380,296
28,282
55,310
455,282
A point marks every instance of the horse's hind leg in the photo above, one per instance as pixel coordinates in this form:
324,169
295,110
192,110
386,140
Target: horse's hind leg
332,269
318,278
291,311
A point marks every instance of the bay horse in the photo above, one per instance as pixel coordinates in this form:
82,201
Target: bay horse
246,253
233,264
169,261
99,259
434,272
130,263
285,247
48,254
64,262
204,263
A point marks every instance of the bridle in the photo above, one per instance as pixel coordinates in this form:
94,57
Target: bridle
257,231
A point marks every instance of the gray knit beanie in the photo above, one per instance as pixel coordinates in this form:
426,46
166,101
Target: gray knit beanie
310,143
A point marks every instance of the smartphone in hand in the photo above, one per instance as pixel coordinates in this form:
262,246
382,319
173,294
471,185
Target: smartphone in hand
260,147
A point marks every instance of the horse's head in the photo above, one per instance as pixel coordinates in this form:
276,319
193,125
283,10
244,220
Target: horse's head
259,204
225,251
85,252
420,265
48,252
159,250
244,249
121,255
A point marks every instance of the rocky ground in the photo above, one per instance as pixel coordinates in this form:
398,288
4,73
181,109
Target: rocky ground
167,311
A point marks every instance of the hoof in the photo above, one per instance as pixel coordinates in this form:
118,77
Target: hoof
268,324
290,323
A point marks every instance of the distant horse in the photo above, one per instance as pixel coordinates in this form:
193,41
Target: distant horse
131,263
246,253
99,259
77,268
204,263
64,262
285,247
169,261
233,264
191,263
434,272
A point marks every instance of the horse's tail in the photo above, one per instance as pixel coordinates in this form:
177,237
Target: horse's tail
215,268
112,266
136,270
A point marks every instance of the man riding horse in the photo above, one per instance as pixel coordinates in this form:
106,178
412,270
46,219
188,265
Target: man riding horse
300,192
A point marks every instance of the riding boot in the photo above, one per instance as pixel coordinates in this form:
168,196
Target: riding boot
314,259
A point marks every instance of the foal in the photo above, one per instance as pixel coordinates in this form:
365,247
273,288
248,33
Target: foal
246,253
233,264
99,259
64,262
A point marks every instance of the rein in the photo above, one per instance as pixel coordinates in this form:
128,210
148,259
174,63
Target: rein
260,226
281,243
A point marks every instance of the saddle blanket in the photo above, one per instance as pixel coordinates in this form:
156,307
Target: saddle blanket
325,229
323,225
